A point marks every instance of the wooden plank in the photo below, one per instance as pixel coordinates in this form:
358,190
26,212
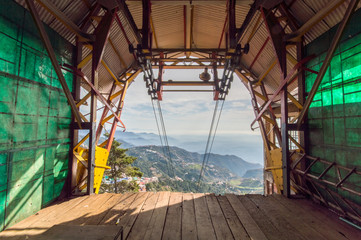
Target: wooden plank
45,212
88,232
59,217
302,227
238,230
319,218
35,223
219,222
140,226
252,228
173,222
118,210
94,208
132,213
261,219
101,212
274,214
189,227
203,219
83,212
51,219
155,227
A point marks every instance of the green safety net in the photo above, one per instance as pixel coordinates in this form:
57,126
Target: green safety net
334,117
34,117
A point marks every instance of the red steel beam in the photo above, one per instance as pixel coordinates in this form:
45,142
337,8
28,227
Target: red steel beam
146,30
102,33
185,25
337,37
128,16
259,53
232,31
115,121
54,61
117,19
86,80
224,28
280,87
104,114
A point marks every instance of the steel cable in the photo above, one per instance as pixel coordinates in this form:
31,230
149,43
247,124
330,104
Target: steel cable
210,140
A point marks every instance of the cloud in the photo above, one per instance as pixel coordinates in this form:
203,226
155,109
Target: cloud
190,114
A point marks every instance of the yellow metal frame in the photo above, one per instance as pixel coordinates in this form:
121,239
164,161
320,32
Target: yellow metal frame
101,153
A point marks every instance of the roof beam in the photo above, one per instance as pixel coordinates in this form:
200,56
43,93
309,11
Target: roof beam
128,16
187,83
173,50
189,28
102,33
187,2
51,8
232,24
296,35
188,60
286,80
267,4
252,11
187,66
54,61
276,34
153,31
146,31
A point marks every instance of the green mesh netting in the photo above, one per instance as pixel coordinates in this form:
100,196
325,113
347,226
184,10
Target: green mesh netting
34,117
334,118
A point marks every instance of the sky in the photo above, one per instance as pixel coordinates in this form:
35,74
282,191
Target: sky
188,115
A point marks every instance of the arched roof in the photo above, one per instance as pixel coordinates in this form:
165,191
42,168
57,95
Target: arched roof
172,21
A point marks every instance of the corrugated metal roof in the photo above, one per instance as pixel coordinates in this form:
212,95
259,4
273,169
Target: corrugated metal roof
168,26
208,23
208,26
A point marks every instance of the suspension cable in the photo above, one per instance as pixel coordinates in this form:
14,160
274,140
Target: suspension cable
159,134
215,131
163,136
210,140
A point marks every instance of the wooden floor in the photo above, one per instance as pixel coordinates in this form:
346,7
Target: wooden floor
166,215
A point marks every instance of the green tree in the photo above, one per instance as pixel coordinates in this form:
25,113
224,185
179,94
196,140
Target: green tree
120,164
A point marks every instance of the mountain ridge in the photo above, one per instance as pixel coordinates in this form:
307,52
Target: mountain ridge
245,147
232,163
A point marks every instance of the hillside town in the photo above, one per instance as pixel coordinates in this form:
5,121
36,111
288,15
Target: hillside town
140,181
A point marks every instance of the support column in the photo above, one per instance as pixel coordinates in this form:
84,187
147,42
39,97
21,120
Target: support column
92,130
301,98
276,34
285,149
102,35
74,132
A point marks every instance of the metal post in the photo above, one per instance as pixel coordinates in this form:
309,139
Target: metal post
92,130
285,149
74,132
276,34
102,33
